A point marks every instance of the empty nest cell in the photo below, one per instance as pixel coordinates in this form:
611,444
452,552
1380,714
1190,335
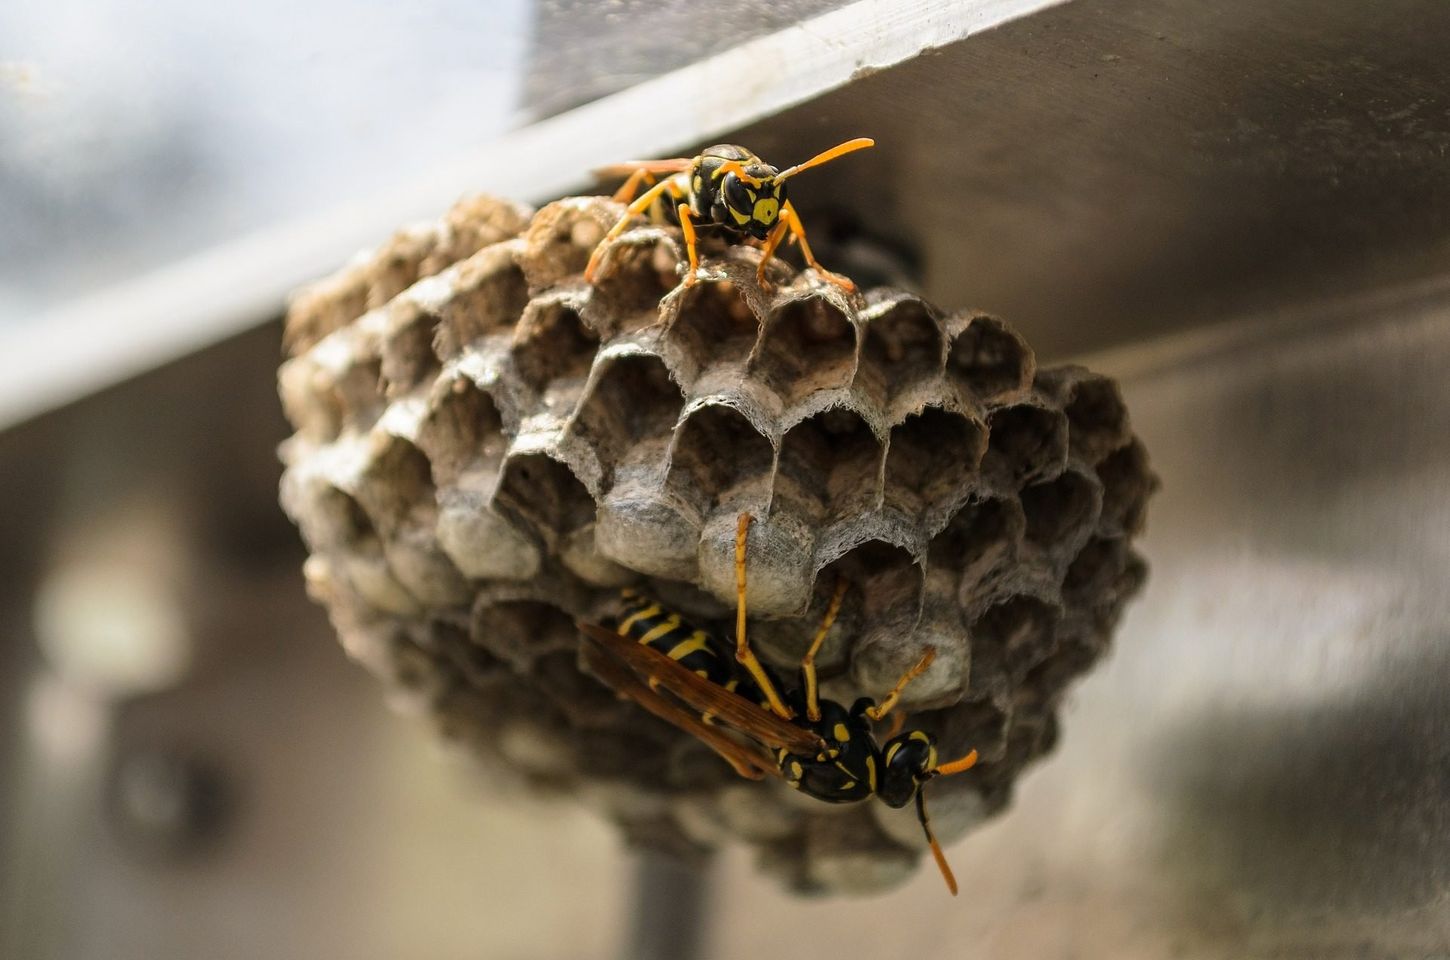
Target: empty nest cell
1097,417
830,467
989,361
546,493
1009,639
1060,511
931,462
712,324
719,456
632,400
407,351
397,481
902,352
488,294
553,347
979,542
1025,443
463,431
1127,484
806,346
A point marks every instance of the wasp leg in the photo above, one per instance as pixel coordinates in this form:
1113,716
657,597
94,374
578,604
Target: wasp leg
682,210
808,662
626,192
743,653
639,206
771,242
798,230
941,858
889,701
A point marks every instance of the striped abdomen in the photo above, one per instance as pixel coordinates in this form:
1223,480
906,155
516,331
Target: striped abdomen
670,634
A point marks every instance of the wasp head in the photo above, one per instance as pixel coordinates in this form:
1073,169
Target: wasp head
908,760
753,200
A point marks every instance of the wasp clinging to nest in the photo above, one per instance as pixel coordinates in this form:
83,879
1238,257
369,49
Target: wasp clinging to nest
726,187
721,694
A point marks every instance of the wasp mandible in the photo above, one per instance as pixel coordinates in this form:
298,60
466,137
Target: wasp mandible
817,745
725,187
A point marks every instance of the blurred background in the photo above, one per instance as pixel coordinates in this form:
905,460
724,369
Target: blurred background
1240,208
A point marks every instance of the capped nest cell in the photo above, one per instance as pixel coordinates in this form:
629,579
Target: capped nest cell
488,449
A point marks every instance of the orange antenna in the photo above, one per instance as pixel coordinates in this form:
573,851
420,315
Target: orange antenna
956,766
941,858
840,149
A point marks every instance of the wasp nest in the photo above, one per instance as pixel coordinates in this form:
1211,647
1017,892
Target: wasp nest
488,448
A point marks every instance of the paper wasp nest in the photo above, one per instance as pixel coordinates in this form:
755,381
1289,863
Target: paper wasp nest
488,448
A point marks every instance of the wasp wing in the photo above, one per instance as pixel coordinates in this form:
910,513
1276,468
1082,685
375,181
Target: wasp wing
749,761
675,165
732,709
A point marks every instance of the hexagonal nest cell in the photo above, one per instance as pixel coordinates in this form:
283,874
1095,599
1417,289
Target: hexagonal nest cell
488,449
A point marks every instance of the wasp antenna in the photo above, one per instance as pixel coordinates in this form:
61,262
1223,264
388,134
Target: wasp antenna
941,858
957,766
840,149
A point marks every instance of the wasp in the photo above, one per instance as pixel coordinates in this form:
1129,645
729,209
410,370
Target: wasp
728,188
691,678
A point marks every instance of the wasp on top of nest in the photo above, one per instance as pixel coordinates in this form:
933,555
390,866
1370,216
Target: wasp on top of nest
727,188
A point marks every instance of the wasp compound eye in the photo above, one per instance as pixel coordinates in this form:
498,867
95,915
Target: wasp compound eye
737,195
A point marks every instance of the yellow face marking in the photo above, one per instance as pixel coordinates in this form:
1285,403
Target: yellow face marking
766,209
671,624
649,612
841,733
892,752
699,183
740,218
795,770
871,772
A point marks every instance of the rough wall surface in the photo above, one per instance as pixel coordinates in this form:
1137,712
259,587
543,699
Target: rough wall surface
488,448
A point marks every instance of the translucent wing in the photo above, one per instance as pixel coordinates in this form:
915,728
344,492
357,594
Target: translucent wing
624,169
750,762
706,697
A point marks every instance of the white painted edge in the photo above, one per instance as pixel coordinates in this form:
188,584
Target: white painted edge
100,339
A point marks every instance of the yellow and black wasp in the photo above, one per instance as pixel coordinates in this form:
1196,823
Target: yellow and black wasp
726,187
690,678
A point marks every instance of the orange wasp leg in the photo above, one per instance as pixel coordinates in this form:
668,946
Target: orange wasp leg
743,653
637,207
798,232
808,662
889,701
